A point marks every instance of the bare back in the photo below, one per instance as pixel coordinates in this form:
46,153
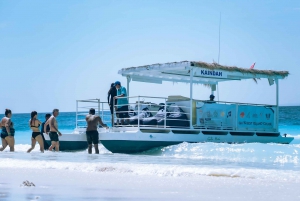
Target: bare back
92,122
5,121
34,125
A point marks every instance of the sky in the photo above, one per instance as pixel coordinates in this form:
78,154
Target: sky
55,52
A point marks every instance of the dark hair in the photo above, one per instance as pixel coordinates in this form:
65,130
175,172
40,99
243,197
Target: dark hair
112,85
47,115
7,111
55,110
92,111
33,113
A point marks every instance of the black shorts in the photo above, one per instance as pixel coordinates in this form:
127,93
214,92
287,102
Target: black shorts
4,135
34,134
92,137
53,136
123,112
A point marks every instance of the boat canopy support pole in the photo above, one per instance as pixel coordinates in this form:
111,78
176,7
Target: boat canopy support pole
277,104
76,113
191,97
128,81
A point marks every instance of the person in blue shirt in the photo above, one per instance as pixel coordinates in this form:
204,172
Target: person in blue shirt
122,106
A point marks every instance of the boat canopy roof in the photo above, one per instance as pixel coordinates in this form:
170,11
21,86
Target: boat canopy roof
202,72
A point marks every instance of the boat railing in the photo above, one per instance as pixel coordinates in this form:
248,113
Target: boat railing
83,107
155,109
137,114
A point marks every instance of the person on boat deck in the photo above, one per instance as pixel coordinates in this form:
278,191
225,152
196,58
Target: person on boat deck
110,99
92,135
47,116
7,131
211,99
122,102
54,132
34,125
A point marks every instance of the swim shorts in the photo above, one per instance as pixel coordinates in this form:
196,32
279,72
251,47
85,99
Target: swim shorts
4,133
53,136
92,137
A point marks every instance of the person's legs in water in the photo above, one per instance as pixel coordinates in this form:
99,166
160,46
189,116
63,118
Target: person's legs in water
40,140
54,141
4,144
96,148
11,142
95,138
90,146
89,141
33,142
52,146
57,146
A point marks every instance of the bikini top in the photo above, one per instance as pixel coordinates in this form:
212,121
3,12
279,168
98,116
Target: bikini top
33,126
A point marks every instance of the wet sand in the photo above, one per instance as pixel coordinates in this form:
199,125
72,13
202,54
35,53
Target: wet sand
51,184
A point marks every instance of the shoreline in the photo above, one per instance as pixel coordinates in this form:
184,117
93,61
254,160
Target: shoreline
52,184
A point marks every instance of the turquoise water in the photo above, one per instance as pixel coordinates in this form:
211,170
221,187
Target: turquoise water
249,160
66,124
289,122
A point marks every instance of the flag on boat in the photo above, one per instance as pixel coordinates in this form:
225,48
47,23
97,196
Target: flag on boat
251,67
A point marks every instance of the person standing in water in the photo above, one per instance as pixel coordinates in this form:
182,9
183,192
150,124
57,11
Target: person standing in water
110,99
47,116
7,131
34,125
92,134
54,132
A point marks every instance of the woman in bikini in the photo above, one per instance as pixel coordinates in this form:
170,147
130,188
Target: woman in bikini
34,124
7,131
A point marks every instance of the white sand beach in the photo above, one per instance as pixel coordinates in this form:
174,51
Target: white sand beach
51,184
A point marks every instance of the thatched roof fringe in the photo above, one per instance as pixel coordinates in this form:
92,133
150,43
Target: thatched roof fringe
216,66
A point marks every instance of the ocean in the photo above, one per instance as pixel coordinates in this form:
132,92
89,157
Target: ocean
268,162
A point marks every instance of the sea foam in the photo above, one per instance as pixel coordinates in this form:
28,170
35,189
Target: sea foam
255,161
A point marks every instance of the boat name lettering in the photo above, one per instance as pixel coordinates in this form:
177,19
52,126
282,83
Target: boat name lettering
212,138
211,72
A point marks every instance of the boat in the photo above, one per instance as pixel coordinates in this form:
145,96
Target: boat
176,119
